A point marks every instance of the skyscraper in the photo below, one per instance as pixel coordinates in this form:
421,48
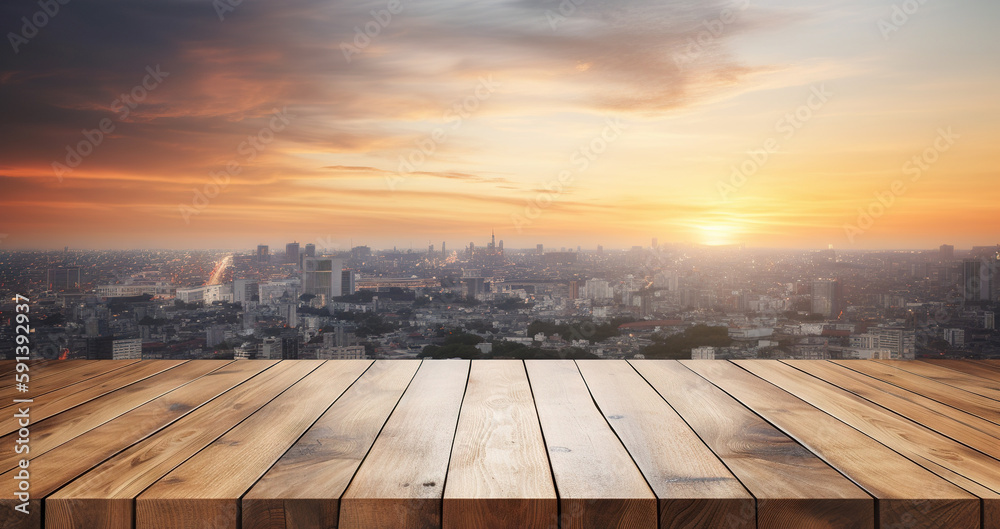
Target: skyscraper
310,250
292,253
827,296
347,283
946,252
263,254
978,277
322,276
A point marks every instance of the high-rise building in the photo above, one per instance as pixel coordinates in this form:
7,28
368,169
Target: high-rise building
900,342
946,252
310,250
598,289
574,290
955,337
263,254
289,311
63,279
539,249
444,251
292,253
245,290
978,277
475,284
100,348
430,250
322,276
827,296
348,283
290,345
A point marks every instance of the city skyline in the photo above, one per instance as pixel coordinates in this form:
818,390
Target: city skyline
556,122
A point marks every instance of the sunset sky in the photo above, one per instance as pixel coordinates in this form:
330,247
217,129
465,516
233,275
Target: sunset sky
491,102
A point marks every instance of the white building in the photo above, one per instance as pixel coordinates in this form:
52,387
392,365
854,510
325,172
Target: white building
955,337
348,352
598,289
130,349
323,276
152,288
703,353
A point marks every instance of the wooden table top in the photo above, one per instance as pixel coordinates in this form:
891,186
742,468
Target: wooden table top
538,444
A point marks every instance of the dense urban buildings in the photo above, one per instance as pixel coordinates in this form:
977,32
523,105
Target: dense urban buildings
491,301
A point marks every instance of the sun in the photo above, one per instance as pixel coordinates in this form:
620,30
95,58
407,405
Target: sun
716,234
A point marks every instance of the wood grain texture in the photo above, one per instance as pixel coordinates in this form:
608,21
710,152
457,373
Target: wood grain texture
955,379
72,374
204,491
908,494
978,405
68,397
599,485
499,474
54,431
981,370
694,488
973,431
60,465
303,489
104,497
37,369
283,445
401,482
955,462
793,487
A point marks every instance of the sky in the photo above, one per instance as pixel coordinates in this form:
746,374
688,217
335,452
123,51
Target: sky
217,124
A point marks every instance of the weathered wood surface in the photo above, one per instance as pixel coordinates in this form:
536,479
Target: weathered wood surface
493,444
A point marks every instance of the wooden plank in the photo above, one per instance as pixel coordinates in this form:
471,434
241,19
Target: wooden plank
499,475
68,397
969,368
304,487
54,431
694,488
793,487
76,374
599,485
39,368
60,465
205,490
45,376
973,431
35,368
992,364
908,495
978,405
972,384
104,497
401,481
955,462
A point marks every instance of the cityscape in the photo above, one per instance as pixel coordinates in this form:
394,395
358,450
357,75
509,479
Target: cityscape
480,300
